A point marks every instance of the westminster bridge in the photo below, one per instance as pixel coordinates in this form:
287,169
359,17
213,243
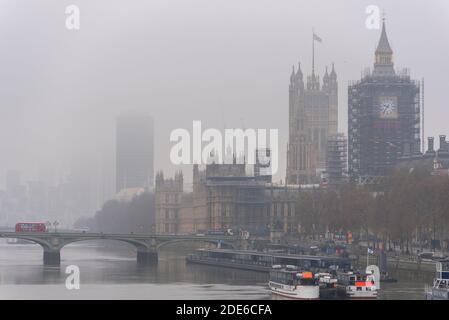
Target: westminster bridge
146,245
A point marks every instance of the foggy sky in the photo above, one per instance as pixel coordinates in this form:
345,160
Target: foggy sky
224,62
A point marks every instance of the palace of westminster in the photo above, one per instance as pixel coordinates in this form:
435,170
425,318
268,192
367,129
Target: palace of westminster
384,131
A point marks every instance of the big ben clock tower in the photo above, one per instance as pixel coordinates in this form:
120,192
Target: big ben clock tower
383,116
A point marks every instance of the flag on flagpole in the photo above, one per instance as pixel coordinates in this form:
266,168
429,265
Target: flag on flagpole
316,38
370,251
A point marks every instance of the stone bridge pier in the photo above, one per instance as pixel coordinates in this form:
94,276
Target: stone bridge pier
52,250
147,257
52,258
146,252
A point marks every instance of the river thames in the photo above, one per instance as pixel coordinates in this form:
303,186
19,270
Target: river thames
111,272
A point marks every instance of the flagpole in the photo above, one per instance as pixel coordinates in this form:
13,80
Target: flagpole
313,51
367,257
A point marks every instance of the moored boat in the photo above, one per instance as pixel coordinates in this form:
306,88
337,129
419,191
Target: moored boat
12,241
290,282
440,288
263,261
356,285
17,241
328,285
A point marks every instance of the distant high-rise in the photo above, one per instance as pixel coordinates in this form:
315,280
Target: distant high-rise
313,118
383,117
134,151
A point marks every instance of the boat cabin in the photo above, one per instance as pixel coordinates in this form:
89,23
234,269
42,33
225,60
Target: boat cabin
292,277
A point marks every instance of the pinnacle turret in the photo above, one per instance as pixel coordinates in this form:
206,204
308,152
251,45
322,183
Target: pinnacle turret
333,73
326,75
292,76
299,73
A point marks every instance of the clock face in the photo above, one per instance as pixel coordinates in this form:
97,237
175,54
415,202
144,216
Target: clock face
388,107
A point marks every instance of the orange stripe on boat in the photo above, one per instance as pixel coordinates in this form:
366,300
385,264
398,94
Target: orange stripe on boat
307,274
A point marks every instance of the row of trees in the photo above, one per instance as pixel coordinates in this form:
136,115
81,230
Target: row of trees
137,215
411,209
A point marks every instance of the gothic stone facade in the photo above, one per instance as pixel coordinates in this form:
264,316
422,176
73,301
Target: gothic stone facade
224,197
313,118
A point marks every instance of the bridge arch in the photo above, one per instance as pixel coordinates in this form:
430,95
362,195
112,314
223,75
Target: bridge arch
146,249
52,244
139,245
44,243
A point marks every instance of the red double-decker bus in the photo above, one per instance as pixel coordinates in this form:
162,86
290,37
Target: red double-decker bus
31,227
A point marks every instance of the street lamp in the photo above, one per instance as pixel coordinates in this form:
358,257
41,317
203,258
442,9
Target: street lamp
55,224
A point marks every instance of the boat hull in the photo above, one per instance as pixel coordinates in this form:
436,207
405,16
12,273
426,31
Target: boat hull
437,294
356,295
295,292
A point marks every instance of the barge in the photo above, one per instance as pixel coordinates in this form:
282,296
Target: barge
263,261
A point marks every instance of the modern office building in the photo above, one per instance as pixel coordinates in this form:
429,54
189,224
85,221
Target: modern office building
134,151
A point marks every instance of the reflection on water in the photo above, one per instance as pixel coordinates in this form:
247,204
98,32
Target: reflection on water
112,273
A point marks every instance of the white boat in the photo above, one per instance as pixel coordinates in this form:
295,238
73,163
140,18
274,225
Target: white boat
328,285
291,283
11,240
440,288
326,279
357,285
17,241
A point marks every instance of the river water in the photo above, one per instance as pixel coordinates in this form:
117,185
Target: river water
111,272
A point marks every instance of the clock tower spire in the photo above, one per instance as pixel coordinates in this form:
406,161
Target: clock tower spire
383,64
